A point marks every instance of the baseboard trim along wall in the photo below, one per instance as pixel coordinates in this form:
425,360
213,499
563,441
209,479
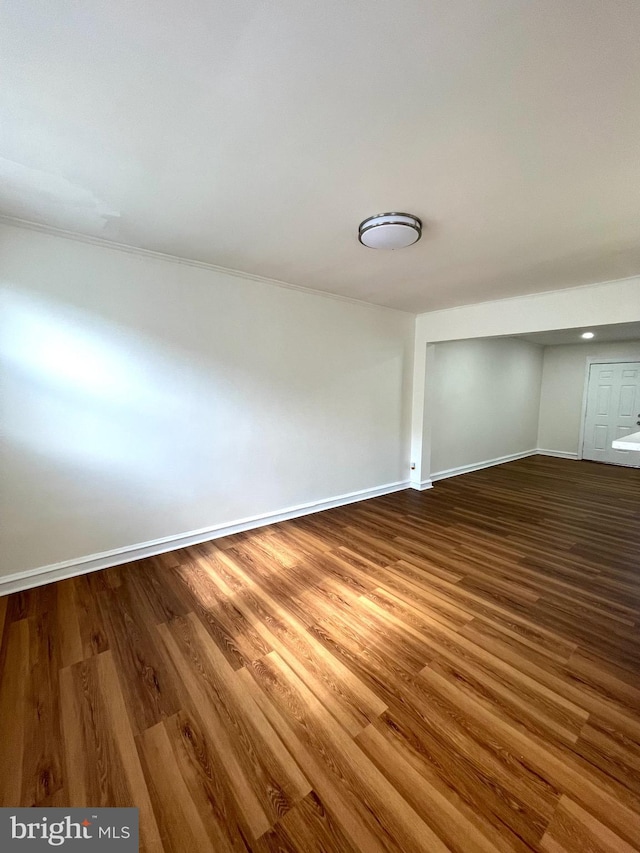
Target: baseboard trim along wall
422,485
560,454
477,466
94,562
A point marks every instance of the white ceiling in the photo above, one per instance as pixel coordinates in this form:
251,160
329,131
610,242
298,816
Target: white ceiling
257,135
602,334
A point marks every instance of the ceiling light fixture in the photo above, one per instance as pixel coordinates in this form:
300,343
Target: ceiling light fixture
588,335
390,231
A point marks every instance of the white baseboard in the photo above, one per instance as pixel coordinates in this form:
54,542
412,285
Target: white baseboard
421,485
477,466
94,562
560,454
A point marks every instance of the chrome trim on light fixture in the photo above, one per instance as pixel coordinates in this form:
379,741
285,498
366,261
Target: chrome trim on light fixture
415,224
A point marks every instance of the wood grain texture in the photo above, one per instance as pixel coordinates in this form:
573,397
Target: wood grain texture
102,764
13,709
452,670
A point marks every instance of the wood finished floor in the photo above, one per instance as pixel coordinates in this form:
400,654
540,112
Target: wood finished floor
447,670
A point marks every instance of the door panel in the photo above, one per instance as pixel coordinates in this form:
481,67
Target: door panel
627,399
600,437
604,400
613,409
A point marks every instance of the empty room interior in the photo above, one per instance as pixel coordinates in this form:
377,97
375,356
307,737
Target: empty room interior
320,424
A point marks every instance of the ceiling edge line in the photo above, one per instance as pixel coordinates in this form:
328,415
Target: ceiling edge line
533,295
29,225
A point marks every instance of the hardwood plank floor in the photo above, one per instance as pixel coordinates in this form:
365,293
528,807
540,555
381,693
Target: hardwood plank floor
448,670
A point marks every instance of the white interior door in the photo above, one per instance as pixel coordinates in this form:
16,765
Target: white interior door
613,410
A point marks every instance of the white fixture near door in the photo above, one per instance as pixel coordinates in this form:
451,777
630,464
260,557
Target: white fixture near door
612,411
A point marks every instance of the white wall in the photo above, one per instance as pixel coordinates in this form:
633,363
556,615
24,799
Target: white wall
485,400
563,387
145,398
594,305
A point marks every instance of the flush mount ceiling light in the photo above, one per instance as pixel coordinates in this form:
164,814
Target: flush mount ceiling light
588,335
390,231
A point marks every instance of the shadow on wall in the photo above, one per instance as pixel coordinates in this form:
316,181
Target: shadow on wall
115,436
94,416
91,392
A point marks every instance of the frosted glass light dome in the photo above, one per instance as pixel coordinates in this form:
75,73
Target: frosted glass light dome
390,231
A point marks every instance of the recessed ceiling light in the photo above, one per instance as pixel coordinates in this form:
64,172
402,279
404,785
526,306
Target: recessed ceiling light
390,231
588,335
